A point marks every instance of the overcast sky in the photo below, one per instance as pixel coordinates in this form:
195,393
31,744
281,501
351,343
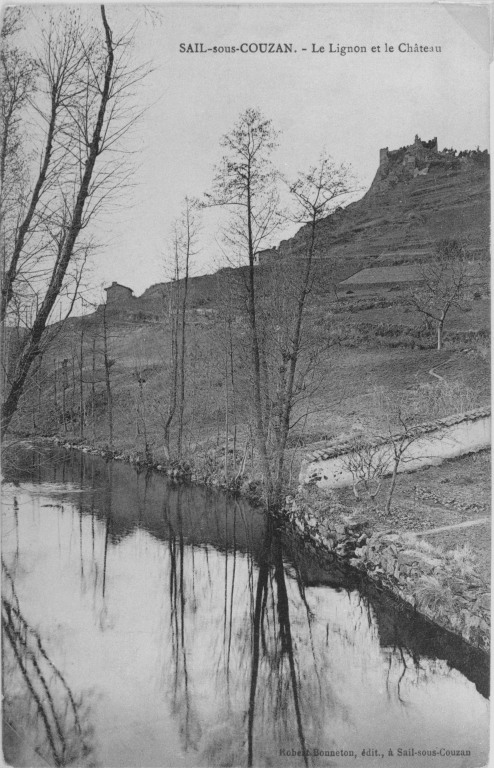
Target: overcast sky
352,104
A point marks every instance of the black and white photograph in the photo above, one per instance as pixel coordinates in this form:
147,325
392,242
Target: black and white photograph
245,370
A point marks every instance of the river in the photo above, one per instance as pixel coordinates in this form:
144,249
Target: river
149,624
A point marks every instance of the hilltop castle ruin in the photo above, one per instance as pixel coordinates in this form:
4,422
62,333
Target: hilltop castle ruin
423,151
418,196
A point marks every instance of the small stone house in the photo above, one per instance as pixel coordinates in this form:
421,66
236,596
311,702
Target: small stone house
118,294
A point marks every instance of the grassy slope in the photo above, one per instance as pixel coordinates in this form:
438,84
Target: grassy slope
375,349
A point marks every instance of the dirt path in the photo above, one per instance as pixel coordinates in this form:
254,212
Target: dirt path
466,524
431,372
440,365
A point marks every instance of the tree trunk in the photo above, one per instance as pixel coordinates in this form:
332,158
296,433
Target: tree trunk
393,484
55,386
64,397
256,357
81,386
288,382
227,406
440,333
72,406
93,390
39,383
181,404
107,379
233,400
172,405
144,420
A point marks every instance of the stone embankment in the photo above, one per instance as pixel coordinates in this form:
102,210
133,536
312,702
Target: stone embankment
206,472
442,586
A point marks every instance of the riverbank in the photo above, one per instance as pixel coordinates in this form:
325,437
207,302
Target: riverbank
444,586
205,469
453,496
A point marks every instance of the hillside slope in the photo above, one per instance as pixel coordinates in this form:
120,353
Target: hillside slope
419,196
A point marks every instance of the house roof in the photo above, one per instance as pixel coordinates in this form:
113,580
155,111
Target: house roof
119,285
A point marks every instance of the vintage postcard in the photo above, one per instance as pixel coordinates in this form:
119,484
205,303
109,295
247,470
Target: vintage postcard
245,385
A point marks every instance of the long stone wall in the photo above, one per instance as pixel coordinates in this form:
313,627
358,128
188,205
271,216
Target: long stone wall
441,440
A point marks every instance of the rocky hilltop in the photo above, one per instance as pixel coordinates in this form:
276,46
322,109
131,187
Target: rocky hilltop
419,195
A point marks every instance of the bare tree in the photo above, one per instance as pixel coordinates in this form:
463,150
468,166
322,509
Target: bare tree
141,407
315,193
444,279
282,360
367,466
189,227
81,381
245,183
93,388
84,78
400,444
172,309
385,449
185,233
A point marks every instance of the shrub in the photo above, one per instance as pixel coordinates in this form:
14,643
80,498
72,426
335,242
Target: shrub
434,596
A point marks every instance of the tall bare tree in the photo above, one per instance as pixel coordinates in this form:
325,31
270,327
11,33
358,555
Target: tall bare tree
245,182
315,193
184,245
84,79
189,230
277,294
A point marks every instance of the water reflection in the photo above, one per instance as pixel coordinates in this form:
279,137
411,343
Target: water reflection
160,625
273,652
36,693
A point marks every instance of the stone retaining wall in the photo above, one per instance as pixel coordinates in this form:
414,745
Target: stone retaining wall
432,443
341,447
440,586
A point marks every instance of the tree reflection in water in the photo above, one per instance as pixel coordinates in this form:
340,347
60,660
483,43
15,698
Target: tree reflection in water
283,650
37,699
214,625
261,698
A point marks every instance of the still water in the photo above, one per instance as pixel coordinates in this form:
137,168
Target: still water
146,624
